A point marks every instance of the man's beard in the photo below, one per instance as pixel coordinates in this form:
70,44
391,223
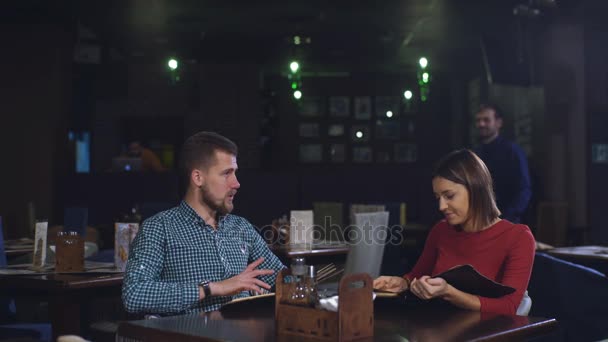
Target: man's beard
484,132
487,135
218,206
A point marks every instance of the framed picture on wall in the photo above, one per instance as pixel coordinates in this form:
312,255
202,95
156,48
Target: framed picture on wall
362,154
309,130
337,153
388,130
311,153
383,156
599,153
387,107
406,153
409,128
311,106
409,106
360,133
363,107
335,130
339,106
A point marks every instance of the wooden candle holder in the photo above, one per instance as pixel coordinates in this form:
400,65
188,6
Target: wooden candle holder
69,253
353,320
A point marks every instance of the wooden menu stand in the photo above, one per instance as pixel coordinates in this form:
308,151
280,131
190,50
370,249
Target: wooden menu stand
353,320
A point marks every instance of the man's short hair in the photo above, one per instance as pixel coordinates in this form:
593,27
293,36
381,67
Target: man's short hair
498,113
198,151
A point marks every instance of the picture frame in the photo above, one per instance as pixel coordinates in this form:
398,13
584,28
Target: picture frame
599,153
335,130
337,153
311,106
387,130
383,157
408,128
362,154
339,106
406,153
311,153
360,133
409,107
385,104
363,107
309,130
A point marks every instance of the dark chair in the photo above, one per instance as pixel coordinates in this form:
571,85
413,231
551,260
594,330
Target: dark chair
75,219
9,329
7,305
399,254
573,294
146,210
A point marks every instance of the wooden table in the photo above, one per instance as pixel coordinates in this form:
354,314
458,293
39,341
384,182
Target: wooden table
591,256
582,252
395,320
65,293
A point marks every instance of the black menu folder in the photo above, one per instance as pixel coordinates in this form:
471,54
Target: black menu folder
466,278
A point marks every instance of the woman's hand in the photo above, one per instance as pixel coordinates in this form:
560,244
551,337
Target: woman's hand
428,288
390,284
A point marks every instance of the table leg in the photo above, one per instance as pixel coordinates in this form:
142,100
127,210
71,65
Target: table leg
65,312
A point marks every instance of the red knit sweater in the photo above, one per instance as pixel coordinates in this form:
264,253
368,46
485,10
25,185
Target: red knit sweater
504,253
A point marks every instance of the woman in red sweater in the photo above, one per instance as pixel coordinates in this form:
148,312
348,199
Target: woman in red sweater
471,233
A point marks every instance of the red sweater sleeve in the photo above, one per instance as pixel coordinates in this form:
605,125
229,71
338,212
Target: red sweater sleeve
517,271
426,262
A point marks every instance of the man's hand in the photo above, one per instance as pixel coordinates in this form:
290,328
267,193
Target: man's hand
390,284
427,288
245,281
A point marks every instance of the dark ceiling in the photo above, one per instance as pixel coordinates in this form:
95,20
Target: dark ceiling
381,35
385,34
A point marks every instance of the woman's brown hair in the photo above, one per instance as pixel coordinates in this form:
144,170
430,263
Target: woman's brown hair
464,167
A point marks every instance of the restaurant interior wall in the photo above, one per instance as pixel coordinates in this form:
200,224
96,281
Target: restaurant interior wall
35,106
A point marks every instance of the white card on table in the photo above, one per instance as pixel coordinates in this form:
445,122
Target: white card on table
40,244
301,227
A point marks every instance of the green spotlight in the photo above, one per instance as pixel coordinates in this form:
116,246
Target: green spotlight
297,94
294,66
172,63
423,62
408,94
425,77
294,85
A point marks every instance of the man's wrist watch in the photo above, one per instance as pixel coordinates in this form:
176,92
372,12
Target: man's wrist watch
206,289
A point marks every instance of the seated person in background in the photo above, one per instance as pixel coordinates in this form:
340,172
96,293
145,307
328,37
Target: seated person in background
149,159
471,233
197,256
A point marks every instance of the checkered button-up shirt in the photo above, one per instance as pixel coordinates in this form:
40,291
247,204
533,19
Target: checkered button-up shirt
175,250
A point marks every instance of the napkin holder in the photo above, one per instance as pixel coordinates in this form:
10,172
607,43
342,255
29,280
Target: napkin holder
353,320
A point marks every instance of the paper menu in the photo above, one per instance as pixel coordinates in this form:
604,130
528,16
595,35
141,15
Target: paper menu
466,278
301,227
40,239
124,235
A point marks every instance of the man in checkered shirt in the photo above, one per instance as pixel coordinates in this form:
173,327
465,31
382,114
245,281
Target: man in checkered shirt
197,256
